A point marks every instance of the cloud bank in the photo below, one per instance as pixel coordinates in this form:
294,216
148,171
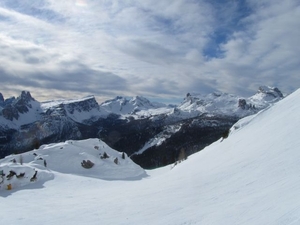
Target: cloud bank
159,49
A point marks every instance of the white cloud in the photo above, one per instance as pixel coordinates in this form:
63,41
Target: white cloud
159,49
268,47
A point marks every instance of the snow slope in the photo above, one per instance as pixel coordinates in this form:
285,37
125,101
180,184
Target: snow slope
252,177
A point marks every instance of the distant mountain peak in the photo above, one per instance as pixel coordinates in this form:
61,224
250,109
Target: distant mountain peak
123,106
13,107
219,103
271,91
26,95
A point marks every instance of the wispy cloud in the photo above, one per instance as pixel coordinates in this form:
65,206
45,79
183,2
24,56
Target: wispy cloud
161,49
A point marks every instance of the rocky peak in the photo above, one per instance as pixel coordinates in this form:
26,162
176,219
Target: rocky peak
191,98
4,102
121,105
242,103
140,101
14,106
1,99
270,91
26,96
23,101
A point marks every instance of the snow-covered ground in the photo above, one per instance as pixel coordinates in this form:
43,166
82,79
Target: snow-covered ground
252,177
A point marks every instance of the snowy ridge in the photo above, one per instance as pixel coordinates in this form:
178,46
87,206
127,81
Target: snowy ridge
196,104
77,109
134,106
15,112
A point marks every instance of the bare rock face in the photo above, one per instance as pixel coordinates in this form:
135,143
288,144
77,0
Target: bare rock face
13,107
10,113
242,103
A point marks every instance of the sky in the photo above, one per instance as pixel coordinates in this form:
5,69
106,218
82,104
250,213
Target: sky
160,49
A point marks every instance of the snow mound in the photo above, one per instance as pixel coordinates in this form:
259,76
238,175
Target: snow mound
89,158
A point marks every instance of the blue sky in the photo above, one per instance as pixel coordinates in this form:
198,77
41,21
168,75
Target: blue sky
159,49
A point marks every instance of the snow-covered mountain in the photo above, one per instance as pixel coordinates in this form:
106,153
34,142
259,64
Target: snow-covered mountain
26,123
15,112
196,104
227,104
78,110
249,178
156,128
134,106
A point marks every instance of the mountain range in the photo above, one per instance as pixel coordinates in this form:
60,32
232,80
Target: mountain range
250,177
152,134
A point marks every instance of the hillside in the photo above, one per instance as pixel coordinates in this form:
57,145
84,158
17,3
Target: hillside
249,178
